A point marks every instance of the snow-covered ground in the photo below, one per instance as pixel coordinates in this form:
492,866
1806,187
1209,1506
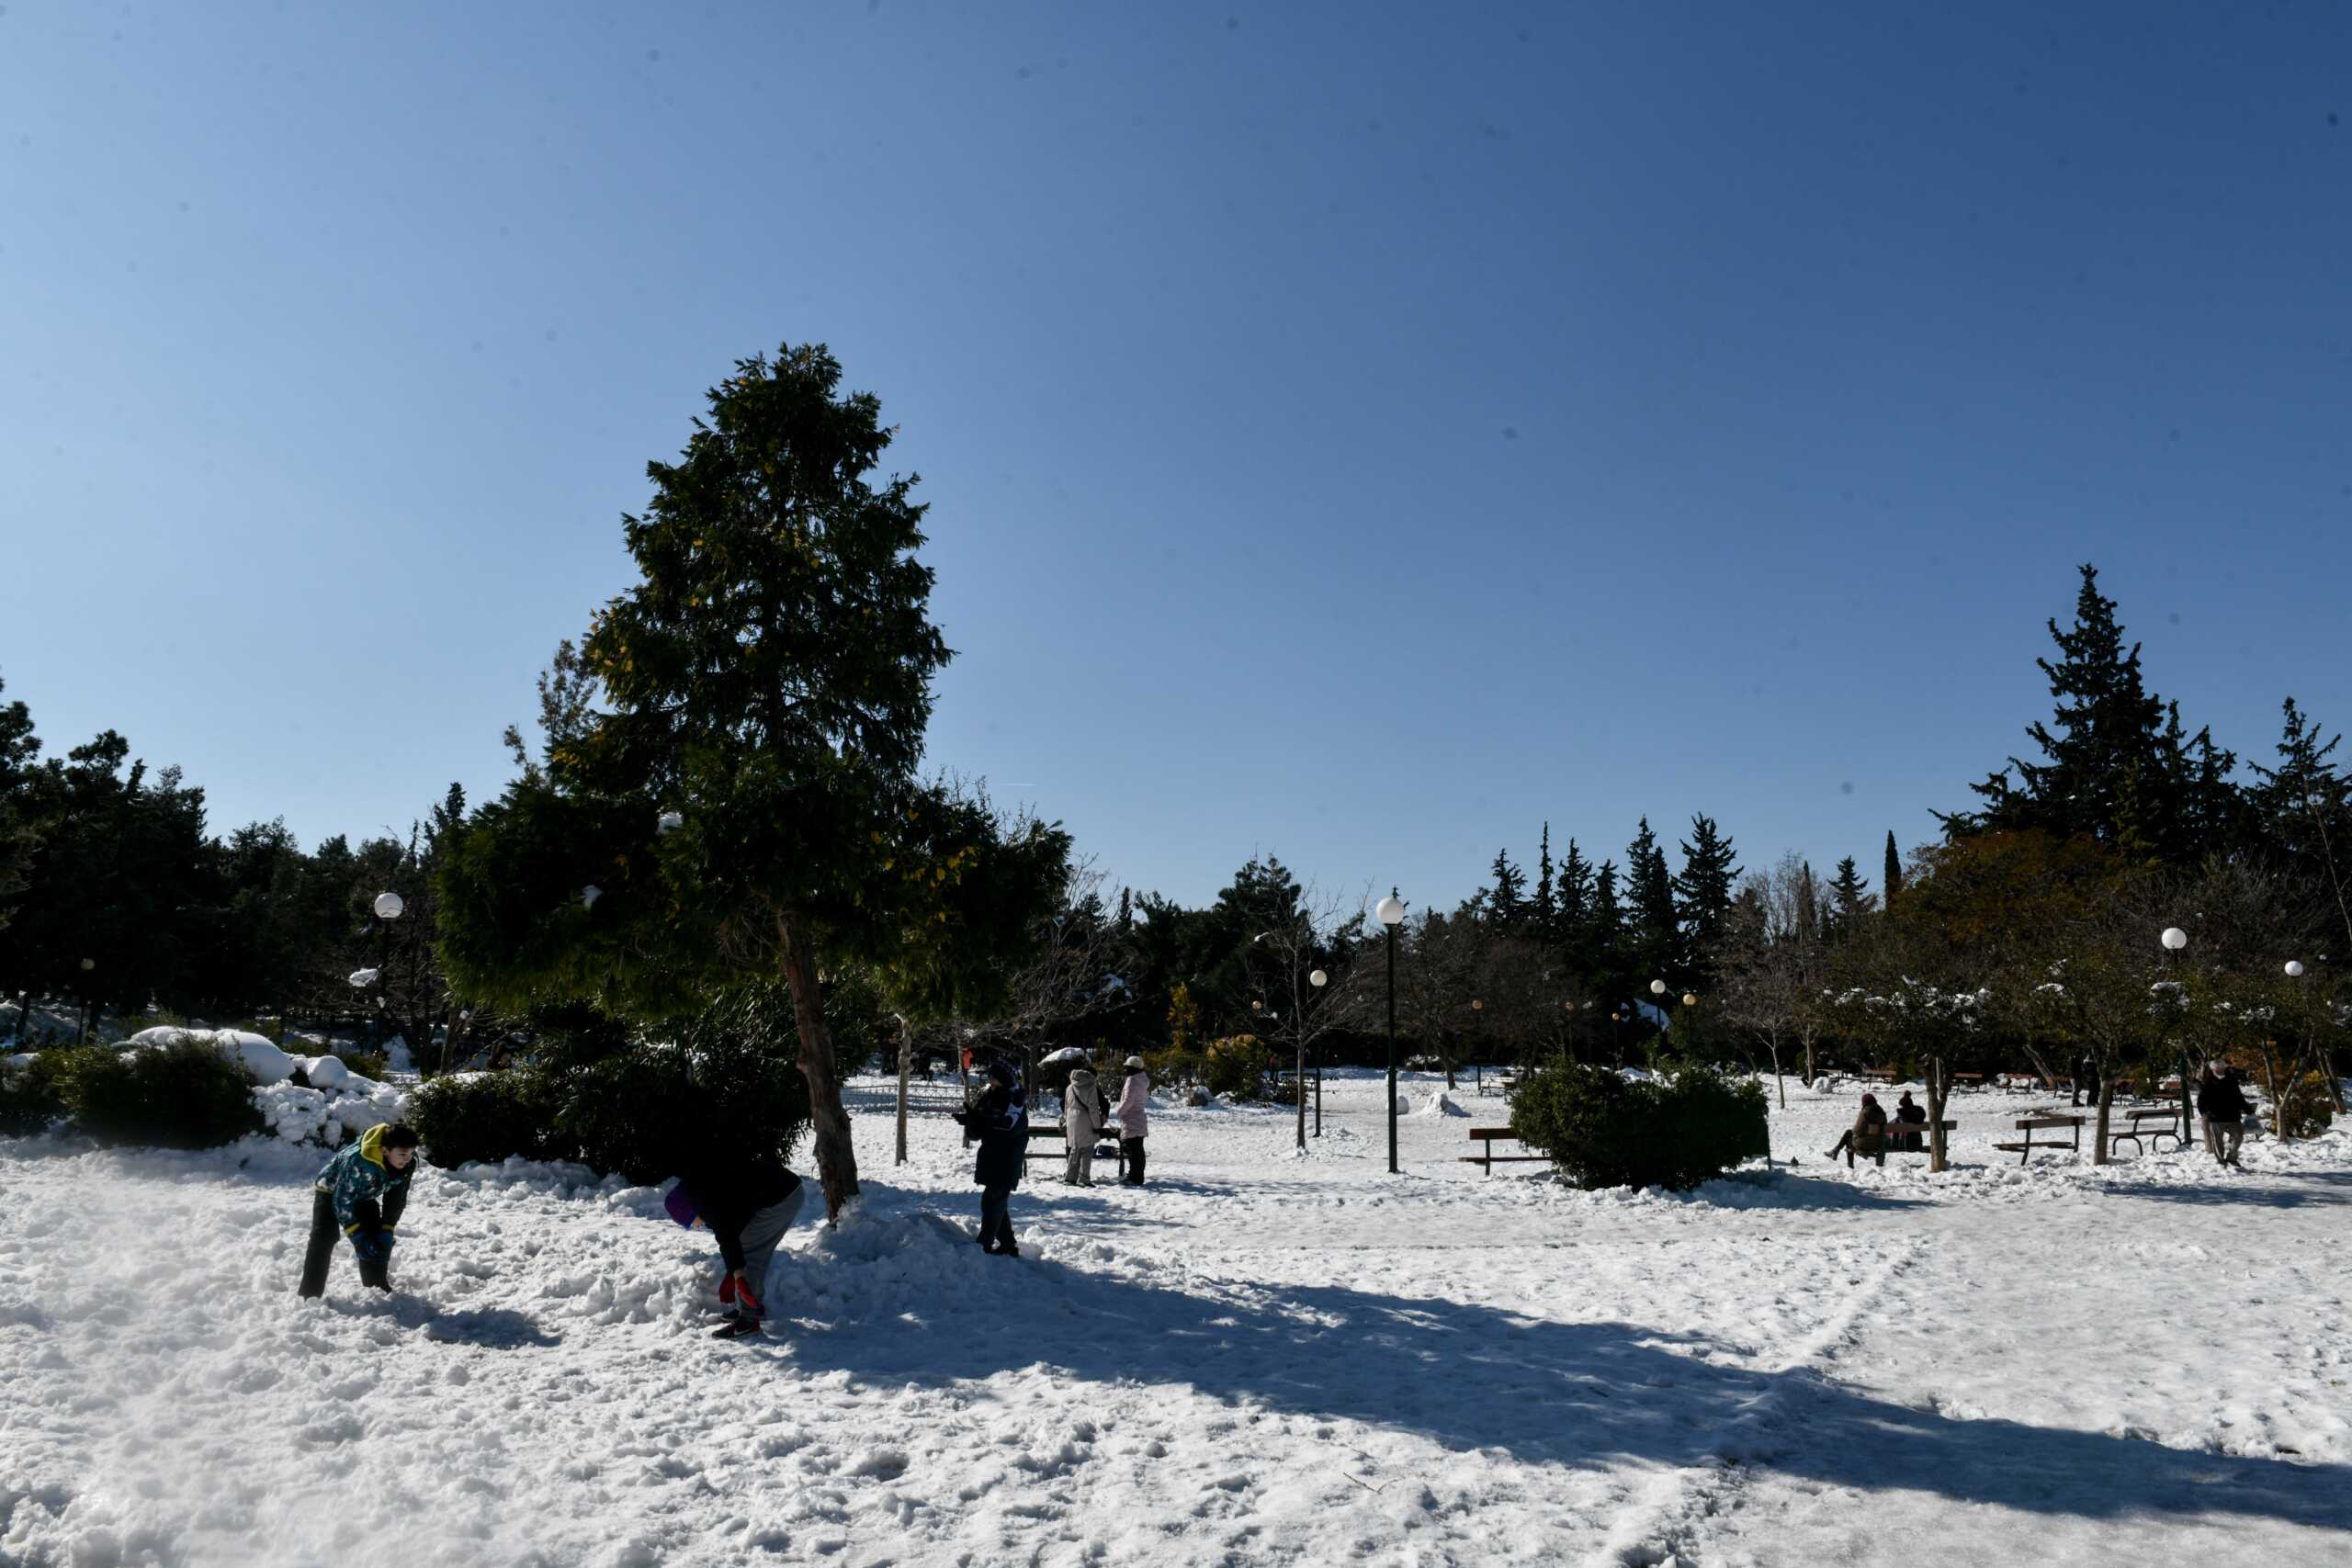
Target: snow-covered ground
1261,1358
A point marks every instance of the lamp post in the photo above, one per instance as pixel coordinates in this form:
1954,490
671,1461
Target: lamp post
87,966
1477,1068
1318,979
388,907
2174,939
1391,911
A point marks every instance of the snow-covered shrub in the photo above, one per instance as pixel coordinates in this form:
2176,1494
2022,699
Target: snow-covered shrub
32,1092
262,1060
1603,1130
183,1095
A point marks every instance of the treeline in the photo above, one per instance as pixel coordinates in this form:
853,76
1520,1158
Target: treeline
115,895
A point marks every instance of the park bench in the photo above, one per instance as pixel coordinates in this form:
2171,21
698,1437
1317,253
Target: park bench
2152,1125
2023,1083
1904,1130
1488,1158
1976,1079
1051,1134
1879,1075
2029,1126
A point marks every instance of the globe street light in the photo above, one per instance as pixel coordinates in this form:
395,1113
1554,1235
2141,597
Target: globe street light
1391,911
2294,968
389,907
1318,979
2174,939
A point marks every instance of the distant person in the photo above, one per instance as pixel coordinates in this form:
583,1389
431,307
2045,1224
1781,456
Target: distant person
1000,1120
747,1203
2223,1106
1135,1122
1867,1136
1909,1112
360,1193
1084,1114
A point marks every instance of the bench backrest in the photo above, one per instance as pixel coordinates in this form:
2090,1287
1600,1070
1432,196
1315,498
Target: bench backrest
2029,1122
1492,1132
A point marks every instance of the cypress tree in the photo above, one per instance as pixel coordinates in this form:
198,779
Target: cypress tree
1892,879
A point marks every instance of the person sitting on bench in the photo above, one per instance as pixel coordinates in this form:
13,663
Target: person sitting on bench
1908,1112
1867,1136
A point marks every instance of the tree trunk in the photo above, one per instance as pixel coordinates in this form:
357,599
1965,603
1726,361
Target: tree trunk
1939,1085
1807,1078
906,1069
1779,1080
1298,1091
2105,1099
836,1158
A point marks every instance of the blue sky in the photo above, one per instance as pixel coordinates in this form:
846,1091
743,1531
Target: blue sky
1358,432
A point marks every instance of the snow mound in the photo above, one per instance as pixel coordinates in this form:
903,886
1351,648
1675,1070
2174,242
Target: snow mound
1442,1104
263,1061
325,1072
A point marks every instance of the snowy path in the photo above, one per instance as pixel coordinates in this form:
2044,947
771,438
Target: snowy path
1261,1358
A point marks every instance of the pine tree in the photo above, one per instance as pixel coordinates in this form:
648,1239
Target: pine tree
1655,940
1542,910
1890,880
1573,893
1808,911
1602,938
1506,900
1850,900
2299,808
2106,763
1703,895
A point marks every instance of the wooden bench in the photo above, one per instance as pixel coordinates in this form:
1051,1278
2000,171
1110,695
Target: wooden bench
2152,1125
1902,1129
1879,1075
1976,1079
1050,1133
1488,1158
2029,1126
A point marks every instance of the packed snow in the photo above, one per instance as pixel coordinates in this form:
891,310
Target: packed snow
1260,1357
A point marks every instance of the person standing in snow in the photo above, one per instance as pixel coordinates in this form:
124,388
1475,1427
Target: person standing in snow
1000,1120
747,1204
360,1193
1082,1118
1134,1122
1867,1136
2223,1106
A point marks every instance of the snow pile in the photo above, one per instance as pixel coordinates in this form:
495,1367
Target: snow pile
262,1060
325,1072
1442,1103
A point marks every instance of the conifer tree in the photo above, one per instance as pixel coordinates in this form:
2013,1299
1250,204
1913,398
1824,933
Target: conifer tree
1702,893
1603,938
1850,900
1506,900
1572,895
1654,940
1890,880
1542,910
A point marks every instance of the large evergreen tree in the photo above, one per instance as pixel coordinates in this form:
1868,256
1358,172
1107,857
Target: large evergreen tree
1704,892
1507,900
1849,900
1653,939
1543,908
1890,879
769,679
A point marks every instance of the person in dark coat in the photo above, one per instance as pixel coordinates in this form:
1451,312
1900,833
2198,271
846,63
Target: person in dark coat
747,1203
1000,1120
1867,1136
1909,1112
2223,1106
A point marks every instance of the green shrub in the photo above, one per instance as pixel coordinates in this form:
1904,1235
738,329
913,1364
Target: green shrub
465,1118
1172,1070
1602,1130
1236,1066
367,1063
32,1097
615,1102
181,1096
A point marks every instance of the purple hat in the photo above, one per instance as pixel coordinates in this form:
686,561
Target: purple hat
681,1207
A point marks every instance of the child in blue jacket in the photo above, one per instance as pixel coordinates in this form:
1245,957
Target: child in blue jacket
360,1194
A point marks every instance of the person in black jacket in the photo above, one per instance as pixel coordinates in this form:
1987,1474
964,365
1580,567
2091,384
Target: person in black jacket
1908,1112
2223,1106
748,1202
1000,1120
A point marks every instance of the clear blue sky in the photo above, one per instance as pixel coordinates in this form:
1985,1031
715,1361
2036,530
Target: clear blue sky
1359,432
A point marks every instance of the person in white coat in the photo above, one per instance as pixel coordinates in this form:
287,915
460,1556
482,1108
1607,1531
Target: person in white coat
1082,1119
1133,1122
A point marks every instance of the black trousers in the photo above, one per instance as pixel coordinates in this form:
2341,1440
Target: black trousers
996,1216
320,1255
1134,1149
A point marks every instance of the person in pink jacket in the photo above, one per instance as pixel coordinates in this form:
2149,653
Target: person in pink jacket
1133,1122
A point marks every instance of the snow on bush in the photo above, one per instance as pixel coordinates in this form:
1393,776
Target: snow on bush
325,1072
262,1060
